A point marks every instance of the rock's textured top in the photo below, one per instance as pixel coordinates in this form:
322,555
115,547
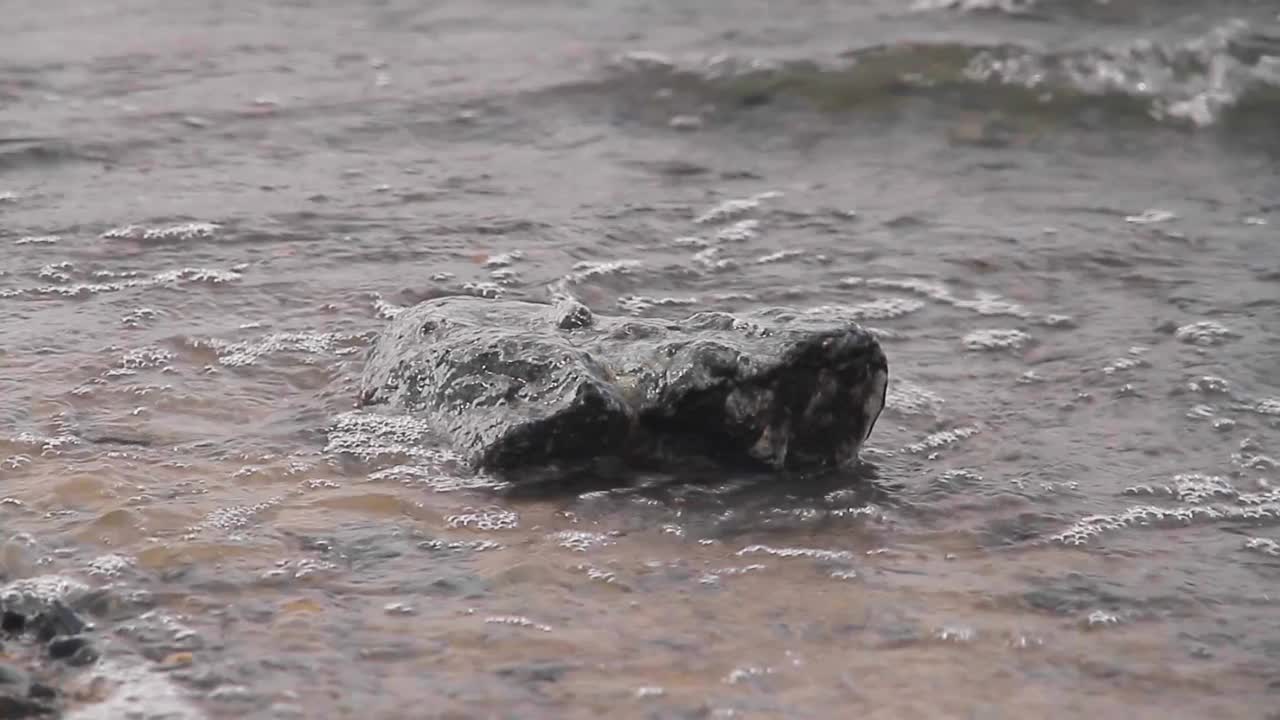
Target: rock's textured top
514,383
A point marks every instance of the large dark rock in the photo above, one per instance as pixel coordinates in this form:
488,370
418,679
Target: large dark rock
512,383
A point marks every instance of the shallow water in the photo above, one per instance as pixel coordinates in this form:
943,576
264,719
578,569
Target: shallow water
1060,216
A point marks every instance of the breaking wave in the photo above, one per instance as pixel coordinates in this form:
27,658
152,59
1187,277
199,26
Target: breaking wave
1234,68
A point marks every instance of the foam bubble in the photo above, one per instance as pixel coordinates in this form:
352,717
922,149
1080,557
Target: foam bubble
1209,384
983,303
249,352
942,439
489,290
518,621
995,339
637,304
731,209
740,231
486,518
815,553
1266,546
184,231
1204,333
581,541
502,260
371,435
778,256
1133,360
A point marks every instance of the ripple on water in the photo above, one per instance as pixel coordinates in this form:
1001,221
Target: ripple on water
734,208
983,303
167,278
1192,493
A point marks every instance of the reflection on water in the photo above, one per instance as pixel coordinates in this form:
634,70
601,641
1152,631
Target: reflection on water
1069,506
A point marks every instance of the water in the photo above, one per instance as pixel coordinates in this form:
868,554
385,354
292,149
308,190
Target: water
1060,215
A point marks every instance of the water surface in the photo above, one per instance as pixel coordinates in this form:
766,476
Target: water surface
1060,216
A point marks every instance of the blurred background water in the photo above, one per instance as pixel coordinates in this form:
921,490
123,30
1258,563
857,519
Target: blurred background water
1059,215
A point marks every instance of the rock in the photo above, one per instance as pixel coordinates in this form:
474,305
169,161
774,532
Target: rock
57,619
533,673
12,622
75,650
22,707
13,680
513,384
40,691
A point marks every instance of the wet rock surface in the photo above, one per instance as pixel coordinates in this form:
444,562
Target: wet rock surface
513,383
40,634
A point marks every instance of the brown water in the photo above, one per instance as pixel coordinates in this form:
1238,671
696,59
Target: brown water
1066,237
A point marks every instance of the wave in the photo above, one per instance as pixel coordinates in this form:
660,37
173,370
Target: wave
1234,69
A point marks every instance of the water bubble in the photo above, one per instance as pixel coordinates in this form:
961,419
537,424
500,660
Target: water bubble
397,608
1132,360
995,339
488,290
518,621
649,691
111,565
637,304
815,553
503,259
733,209
37,240
943,438
580,541
740,231
1269,406
249,352
1100,618
908,398
958,633
1265,546
778,256
185,231
1209,384
742,674
1204,333
486,518
984,303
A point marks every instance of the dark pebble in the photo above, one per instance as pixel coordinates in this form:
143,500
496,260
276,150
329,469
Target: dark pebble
11,677
12,622
40,691
64,647
15,707
535,672
57,620
74,650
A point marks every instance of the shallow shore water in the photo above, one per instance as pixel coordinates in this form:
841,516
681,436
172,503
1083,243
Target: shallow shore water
1060,217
